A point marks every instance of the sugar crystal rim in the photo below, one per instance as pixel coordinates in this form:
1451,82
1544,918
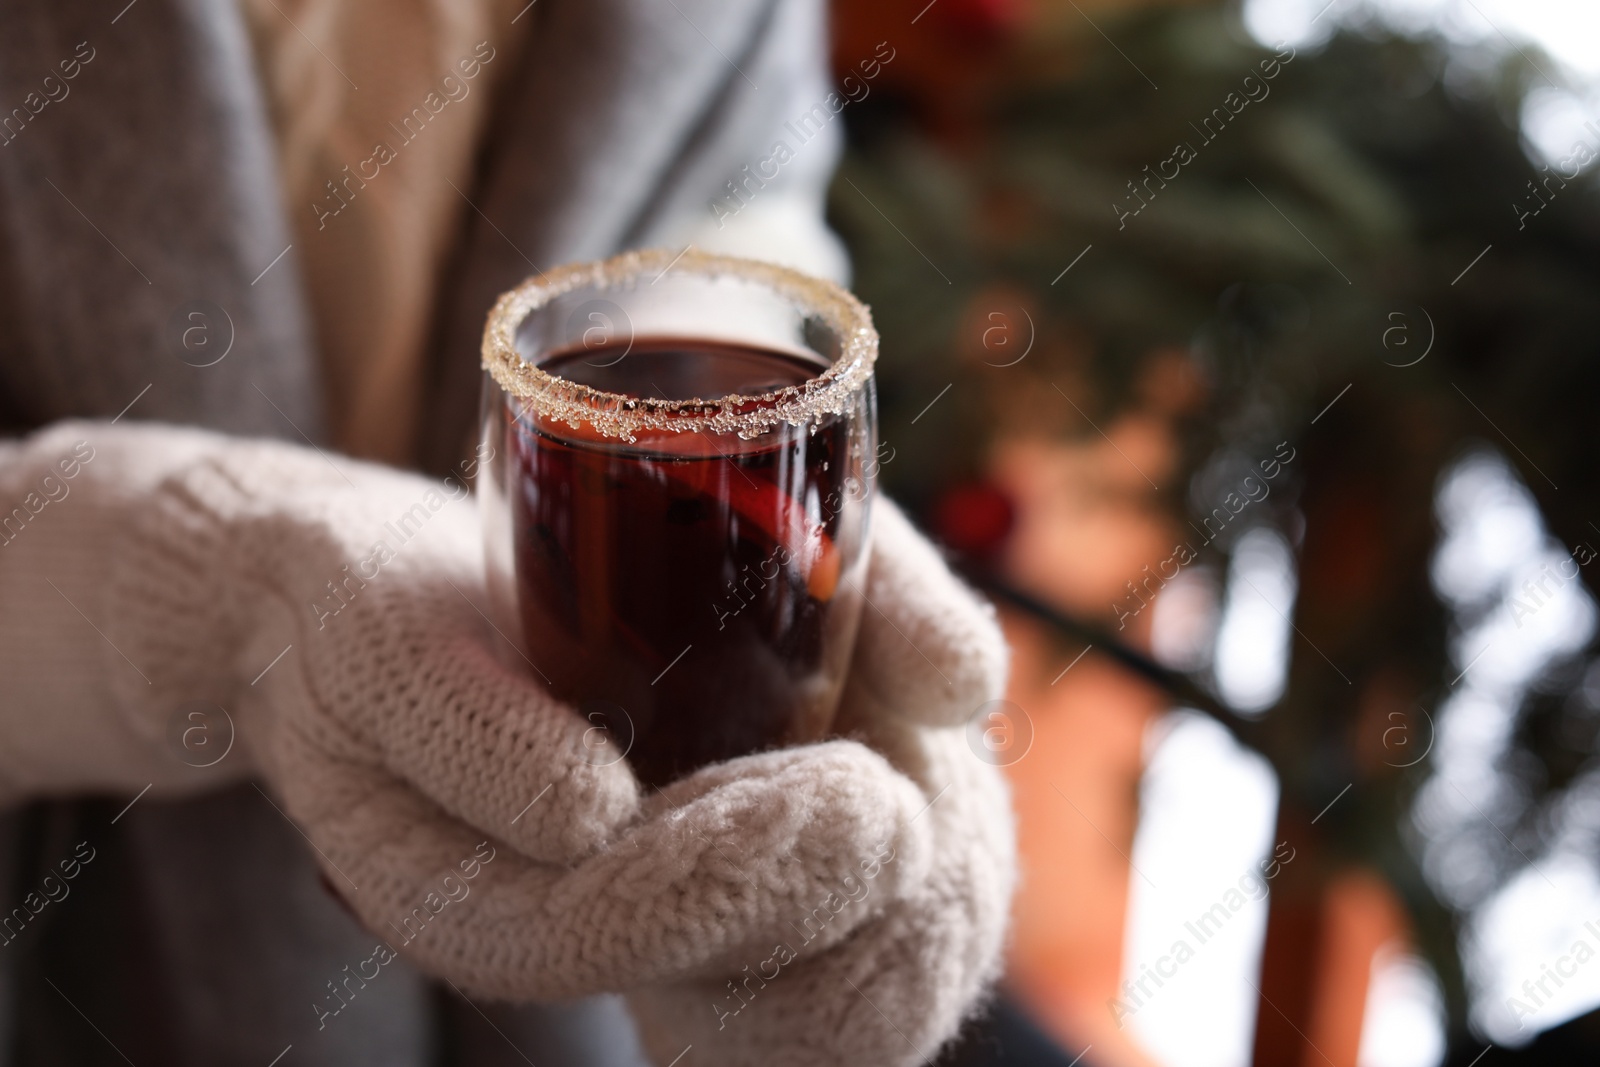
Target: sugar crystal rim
623,416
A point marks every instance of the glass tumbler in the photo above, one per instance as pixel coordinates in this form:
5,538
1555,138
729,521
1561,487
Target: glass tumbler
676,497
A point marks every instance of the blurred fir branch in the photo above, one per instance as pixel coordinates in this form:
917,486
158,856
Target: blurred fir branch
1347,202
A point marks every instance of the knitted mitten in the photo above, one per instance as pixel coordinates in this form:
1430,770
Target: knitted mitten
926,945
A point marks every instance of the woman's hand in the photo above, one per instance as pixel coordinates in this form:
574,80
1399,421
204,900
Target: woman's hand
926,944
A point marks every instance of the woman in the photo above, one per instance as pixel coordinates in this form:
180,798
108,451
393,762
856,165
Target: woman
247,251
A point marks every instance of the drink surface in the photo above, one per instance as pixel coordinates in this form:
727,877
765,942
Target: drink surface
684,592
672,369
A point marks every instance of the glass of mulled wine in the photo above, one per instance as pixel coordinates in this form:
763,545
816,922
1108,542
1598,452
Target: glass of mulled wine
676,488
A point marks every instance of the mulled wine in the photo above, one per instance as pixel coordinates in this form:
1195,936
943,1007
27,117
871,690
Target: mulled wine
675,499
691,582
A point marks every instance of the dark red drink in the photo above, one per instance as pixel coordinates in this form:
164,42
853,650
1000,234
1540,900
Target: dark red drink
687,591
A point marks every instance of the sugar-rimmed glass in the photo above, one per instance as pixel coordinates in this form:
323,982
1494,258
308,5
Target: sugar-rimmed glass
676,494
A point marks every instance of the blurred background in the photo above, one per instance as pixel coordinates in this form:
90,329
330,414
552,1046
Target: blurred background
1245,352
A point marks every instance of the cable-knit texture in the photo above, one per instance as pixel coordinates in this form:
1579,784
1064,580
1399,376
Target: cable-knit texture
897,989
337,610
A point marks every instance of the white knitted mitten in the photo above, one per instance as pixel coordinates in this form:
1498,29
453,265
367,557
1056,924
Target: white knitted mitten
926,945
337,612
